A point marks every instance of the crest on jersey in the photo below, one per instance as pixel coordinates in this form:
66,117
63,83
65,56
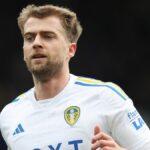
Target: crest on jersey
72,114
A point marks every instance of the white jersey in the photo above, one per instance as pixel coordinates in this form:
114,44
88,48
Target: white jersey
67,121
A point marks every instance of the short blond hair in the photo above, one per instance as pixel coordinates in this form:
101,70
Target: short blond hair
67,17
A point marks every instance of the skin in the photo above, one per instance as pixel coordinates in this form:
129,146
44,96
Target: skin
47,53
104,141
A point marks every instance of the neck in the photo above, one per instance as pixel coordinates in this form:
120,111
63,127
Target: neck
50,88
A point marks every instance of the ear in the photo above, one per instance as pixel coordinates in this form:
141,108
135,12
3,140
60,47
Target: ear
72,49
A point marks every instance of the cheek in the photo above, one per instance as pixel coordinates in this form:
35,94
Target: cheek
25,54
24,57
58,51
64,54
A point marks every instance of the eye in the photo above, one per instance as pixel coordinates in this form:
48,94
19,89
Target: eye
48,36
29,37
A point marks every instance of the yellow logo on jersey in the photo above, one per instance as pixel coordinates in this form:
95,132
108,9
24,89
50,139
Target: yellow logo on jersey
72,114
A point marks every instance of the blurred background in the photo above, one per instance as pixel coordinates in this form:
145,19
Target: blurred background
114,47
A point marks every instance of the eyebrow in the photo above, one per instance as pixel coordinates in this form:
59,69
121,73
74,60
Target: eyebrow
50,32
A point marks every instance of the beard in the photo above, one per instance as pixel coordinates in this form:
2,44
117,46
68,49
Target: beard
45,71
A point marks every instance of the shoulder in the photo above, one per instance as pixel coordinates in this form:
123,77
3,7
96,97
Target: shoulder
105,88
17,102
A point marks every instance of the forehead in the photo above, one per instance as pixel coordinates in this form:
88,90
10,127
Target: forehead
51,23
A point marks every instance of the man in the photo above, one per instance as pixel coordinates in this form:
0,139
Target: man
63,111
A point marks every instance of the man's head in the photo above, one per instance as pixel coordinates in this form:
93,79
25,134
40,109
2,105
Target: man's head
67,17
50,34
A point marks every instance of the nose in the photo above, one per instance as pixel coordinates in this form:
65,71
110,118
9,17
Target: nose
37,42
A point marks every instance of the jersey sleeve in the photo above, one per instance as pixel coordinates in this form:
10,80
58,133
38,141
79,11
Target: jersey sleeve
125,122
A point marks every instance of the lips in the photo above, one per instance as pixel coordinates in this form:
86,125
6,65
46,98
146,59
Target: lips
38,56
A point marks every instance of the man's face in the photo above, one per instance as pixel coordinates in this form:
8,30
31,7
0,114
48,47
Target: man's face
46,48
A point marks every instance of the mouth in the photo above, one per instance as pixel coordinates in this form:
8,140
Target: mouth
38,56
